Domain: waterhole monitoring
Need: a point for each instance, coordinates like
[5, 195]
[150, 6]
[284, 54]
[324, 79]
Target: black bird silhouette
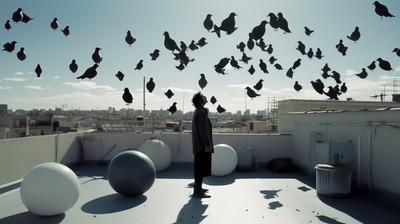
[169, 93]
[26, 18]
[183, 46]
[222, 63]
[7, 25]
[38, 70]
[310, 53]
[273, 21]
[120, 75]
[169, 43]
[283, 23]
[9, 47]
[397, 50]
[270, 49]
[208, 23]
[325, 75]
[289, 73]
[54, 24]
[180, 67]
[139, 65]
[385, 65]
[363, 74]
[278, 66]
[202, 42]
[261, 44]
[259, 31]
[336, 76]
[251, 93]
[127, 96]
[301, 47]
[326, 68]
[245, 59]
[251, 70]
[372, 66]
[308, 31]
[263, 66]
[235, 63]
[66, 31]
[73, 66]
[96, 57]
[297, 86]
[220, 109]
[382, 10]
[213, 100]
[318, 86]
[341, 48]
[296, 64]
[250, 42]
[343, 88]
[90, 73]
[129, 39]
[193, 46]
[332, 94]
[241, 46]
[355, 36]
[21, 55]
[202, 81]
[172, 108]
[272, 60]
[227, 25]
[17, 15]
[337, 90]
[318, 54]
[150, 85]
[155, 54]
[258, 85]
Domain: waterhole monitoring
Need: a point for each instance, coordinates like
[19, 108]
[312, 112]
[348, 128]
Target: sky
[104, 24]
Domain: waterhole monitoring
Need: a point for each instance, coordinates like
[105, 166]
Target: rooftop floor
[241, 197]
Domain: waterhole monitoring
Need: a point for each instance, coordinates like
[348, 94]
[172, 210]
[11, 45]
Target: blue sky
[104, 24]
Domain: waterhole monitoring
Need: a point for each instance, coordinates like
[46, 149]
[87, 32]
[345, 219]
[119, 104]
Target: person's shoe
[204, 190]
[198, 192]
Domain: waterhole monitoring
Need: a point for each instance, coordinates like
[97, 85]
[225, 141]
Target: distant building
[3, 109]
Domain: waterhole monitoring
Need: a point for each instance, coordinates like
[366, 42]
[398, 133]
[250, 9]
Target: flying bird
[273, 21]
[183, 46]
[263, 66]
[297, 86]
[169, 43]
[169, 93]
[308, 31]
[251, 70]
[343, 88]
[120, 75]
[7, 25]
[241, 46]
[227, 25]
[155, 54]
[202, 81]
[341, 48]
[139, 65]
[363, 74]
[245, 59]
[296, 64]
[54, 24]
[289, 73]
[73, 66]
[318, 86]
[272, 60]
[259, 31]
[234, 63]
[222, 63]
[355, 36]
[172, 108]
[9, 47]
[21, 55]
[251, 93]
[301, 47]
[202, 42]
[90, 73]
[127, 96]
[326, 68]
[385, 65]
[180, 67]
[208, 23]
[96, 56]
[66, 31]
[332, 93]
[310, 53]
[26, 18]
[150, 85]
[325, 75]
[17, 15]
[318, 54]
[258, 85]
[382, 10]
[278, 66]
[372, 66]
[38, 70]
[270, 49]
[250, 42]
[129, 39]
[283, 23]
[397, 50]
[193, 46]
[220, 109]
[336, 76]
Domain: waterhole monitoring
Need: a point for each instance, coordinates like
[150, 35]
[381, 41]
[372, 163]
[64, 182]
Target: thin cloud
[33, 87]
[15, 79]
[18, 73]
[89, 86]
[177, 89]
[5, 87]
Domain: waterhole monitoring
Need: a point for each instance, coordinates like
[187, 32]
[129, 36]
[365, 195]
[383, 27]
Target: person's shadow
[192, 211]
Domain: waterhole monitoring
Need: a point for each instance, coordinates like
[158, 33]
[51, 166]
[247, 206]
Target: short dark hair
[197, 99]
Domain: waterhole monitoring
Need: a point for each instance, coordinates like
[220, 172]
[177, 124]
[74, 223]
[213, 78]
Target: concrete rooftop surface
[260, 196]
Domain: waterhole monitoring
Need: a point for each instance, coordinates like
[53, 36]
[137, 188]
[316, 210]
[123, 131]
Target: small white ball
[159, 153]
[224, 160]
[50, 189]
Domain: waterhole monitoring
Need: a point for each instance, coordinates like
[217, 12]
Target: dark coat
[201, 130]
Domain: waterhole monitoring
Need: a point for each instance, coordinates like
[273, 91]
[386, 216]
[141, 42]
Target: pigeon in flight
[202, 81]
[326, 68]
[127, 96]
[220, 109]
[202, 42]
[66, 31]
[38, 70]
[227, 25]
[129, 39]
[258, 85]
[139, 65]
[241, 46]
[310, 53]
[54, 24]
[120, 75]
[270, 49]
[235, 63]
[372, 66]
[363, 74]
[90, 73]
[17, 15]
[272, 60]
[251, 93]
[172, 108]
[325, 75]
[183, 46]
[96, 56]
[21, 55]
[343, 88]
[397, 50]
[213, 100]
[155, 54]
[318, 86]
[259, 31]
[169, 43]
[301, 47]
[289, 73]
[297, 86]
[341, 48]
[250, 42]
[355, 36]
[263, 66]
[385, 65]
[382, 10]
[193, 46]
[180, 67]
[9, 47]
[308, 31]
[278, 66]
[318, 54]
[296, 64]
[273, 21]
[332, 94]
[169, 93]
[222, 63]
[283, 23]
[150, 85]
[245, 59]
[208, 23]
[73, 66]
[336, 76]
[26, 18]
[8, 25]
[251, 70]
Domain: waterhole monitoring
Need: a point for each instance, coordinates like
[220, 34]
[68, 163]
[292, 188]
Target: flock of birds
[228, 25]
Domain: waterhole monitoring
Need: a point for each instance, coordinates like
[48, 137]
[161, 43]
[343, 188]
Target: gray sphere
[131, 173]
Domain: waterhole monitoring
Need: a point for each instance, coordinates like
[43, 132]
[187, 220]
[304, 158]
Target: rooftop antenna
[144, 95]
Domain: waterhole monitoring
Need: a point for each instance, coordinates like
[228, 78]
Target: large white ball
[159, 153]
[50, 189]
[224, 160]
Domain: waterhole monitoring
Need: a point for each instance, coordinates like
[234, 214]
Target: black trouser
[202, 166]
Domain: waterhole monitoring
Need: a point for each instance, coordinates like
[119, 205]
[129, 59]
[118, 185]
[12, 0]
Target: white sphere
[50, 189]
[224, 160]
[159, 153]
